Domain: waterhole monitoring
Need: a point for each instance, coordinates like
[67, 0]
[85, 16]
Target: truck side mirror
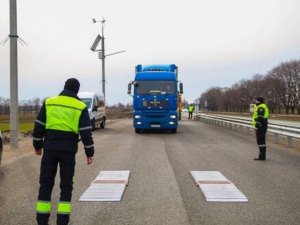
[129, 88]
[181, 88]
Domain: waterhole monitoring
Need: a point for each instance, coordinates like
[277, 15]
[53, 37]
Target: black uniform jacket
[57, 140]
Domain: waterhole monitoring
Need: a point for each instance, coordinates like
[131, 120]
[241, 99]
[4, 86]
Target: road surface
[161, 189]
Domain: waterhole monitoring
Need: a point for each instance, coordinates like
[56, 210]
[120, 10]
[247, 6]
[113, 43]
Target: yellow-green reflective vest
[191, 108]
[63, 113]
[255, 114]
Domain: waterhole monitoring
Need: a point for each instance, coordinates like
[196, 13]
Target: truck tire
[174, 131]
[137, 130]
[102, 125]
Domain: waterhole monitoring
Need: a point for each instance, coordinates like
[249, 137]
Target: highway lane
[161, 189]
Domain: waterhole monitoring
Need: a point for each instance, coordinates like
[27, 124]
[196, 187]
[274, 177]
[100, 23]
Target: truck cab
[155, 97]
[95, 103]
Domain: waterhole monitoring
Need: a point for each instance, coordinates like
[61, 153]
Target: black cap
[260, 99]
[72, 84]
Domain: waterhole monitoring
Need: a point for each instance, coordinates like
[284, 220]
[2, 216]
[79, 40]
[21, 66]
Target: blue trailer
[155, 97]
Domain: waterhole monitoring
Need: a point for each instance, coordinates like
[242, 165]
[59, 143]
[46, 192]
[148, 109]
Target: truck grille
[157, 103]
[155, 116]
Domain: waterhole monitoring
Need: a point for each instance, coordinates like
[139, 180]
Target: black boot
[42, 219]
[258, 158]
[63, 219]
[262, 154]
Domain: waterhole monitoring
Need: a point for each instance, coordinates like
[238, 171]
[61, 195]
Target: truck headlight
[173, 116]
[171, 123]
[137, 116]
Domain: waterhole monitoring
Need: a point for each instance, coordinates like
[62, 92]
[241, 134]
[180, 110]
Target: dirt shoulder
[11, 155]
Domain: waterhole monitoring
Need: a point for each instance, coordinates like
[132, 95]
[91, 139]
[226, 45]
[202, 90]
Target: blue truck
[156, 97]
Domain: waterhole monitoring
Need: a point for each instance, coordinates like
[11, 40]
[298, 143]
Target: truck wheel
[102, 125]
[174, 131]
[137, 130]
[93, 125]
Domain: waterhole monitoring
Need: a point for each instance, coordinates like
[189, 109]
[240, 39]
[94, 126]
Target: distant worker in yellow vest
[191, 109]
[260, 123]
[56, 135]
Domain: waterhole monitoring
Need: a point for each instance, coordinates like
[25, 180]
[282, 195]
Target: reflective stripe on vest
[255, 114]
[63, 113]
[64, 208]
[43, 207]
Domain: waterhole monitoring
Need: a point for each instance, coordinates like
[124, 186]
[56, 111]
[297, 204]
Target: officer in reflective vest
[260, 123]
[56, 135]
[191, 109]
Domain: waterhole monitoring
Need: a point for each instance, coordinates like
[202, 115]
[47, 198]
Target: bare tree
[36, 104]
[211, 96]
[5, 103]
[288, 75]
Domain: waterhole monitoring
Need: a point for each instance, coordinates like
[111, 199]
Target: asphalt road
[161, 189]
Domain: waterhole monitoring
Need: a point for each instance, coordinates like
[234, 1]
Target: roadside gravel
[11, 155]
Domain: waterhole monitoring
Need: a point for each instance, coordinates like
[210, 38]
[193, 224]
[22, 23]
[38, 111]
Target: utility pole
[103, 59]
[14, 118]
[102, 53]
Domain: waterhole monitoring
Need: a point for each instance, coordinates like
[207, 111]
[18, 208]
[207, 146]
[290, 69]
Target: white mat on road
[108, 186]
[217, 188]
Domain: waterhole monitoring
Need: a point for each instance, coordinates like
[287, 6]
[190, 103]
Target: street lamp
[102, 52]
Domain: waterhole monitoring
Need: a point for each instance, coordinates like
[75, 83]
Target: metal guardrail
[238, 124]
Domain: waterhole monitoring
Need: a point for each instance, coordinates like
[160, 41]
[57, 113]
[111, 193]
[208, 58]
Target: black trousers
[190, 115]
[261, 141]
[50, 161]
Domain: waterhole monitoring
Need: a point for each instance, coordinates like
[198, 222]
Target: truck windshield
[161, 87]
[87, 101]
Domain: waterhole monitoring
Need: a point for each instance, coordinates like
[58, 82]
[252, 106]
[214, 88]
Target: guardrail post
[248, 130]
[241, 129]
[230, 126]
[235, 127]
[275, 139]
[289, 142]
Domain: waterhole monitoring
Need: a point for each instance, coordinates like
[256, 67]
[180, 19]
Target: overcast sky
[214, 43]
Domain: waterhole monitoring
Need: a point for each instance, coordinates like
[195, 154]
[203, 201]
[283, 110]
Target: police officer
[191, 109]
[260, 123]
[56, 131]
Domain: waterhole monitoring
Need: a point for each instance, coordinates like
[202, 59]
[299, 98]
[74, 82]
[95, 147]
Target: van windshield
[87, 101]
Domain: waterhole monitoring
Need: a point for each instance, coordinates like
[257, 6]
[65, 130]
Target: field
[26, 121]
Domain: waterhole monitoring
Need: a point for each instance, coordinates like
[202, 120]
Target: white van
[96, 107]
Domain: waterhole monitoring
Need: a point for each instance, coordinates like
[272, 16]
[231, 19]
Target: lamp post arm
[115, 53]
